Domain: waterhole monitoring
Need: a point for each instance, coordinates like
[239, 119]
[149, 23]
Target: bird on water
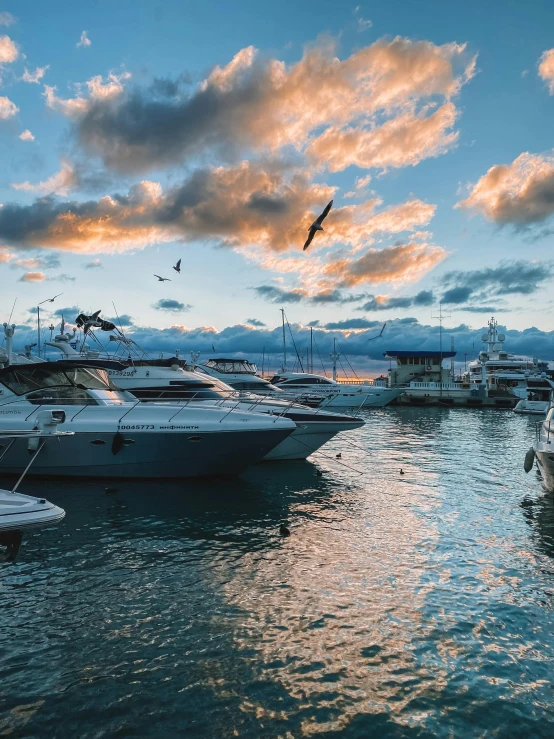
[283, 530]
[402, 471]
[339, 455]
[316, 225]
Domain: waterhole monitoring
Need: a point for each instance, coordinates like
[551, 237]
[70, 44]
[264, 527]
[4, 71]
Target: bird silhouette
[316, 225]
[162, 279]
[177, 267]
[283, 530]
[339, 455]
[402, 471]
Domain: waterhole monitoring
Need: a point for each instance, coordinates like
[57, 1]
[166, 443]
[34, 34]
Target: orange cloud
[32, 277]
[400, 263]
[402, 141]
[519, 193]
[380, 94]
[546, 69]
[59, 183]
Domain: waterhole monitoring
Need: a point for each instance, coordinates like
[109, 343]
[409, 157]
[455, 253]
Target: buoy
[339, 455]
[283, 530]
[402, 471]
[529, 460]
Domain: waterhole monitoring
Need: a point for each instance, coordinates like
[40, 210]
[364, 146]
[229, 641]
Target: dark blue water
[401, 606]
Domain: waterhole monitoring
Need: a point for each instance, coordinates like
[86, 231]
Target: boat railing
[438, 385]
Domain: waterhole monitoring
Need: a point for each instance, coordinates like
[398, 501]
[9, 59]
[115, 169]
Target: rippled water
[401, 606]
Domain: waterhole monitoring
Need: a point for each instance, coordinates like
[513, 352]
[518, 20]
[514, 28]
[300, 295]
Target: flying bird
[177, 267]
[379, 334]
[316, 225]
[162, 279]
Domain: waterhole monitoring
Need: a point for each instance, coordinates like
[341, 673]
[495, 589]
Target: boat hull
[534, 407]
[143, 455]
[544, 454]
[22, 512]
[310, 436]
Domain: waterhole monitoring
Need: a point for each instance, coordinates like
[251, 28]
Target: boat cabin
[418, 366]
[232, 366]
[59, 383]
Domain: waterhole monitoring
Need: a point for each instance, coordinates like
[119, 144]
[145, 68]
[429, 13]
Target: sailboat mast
[311, 364]
[284, 341]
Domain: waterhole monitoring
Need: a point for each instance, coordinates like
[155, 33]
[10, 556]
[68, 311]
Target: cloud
[97, 88]
[94, 264]
[8, 50]
[423, 298]
[264, 207]
[84, 40]
[353, 334]
[5, 256]
[121, 321]
[60, 183]
[399, 263]
[509, 278]
[26, 135]
[352, 323]
[519, 194]
[50, 261]
[36, 76]
[277, 295]
[259, 104]
[546, 69]
[255, 322]
[172, 306]
[6, 19]
[7, 108]
[32, 277]
[400, 142]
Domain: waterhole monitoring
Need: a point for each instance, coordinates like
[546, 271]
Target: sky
[134, 134]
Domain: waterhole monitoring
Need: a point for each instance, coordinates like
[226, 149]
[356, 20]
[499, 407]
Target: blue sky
[482, 70]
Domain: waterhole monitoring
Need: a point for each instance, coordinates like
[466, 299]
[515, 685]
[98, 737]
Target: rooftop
[418, 353]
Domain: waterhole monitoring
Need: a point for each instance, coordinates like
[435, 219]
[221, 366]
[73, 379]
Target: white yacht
[543, 451]
[538, 391]
[500, 365]
[171, 380]
[240, 374]
[119, 436]
[335, 394]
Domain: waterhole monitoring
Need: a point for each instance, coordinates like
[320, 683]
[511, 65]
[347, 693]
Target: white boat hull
[21, 512]
[352, 400]
[544, 454]
[535, 407]
[144, 455]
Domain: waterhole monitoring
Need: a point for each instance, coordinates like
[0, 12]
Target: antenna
[440, 319]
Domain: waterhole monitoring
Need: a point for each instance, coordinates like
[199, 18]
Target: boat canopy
[26, 378]
[232, 366]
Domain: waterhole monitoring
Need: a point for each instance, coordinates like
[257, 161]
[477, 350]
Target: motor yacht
[543, 451]
[117, 435]
[498, 362]
[335, 394]
[172, 380]
[537, 396]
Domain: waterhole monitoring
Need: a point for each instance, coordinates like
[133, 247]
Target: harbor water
[414, 605]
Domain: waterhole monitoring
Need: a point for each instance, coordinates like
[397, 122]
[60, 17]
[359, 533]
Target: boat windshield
[232, 366]
[22, 379]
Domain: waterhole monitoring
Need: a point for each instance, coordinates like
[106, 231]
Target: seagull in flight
[316, 225]
[177, 267]
[379, 334]
[162, 279]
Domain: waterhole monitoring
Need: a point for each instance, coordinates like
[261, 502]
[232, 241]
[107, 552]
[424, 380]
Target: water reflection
[400, 605]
